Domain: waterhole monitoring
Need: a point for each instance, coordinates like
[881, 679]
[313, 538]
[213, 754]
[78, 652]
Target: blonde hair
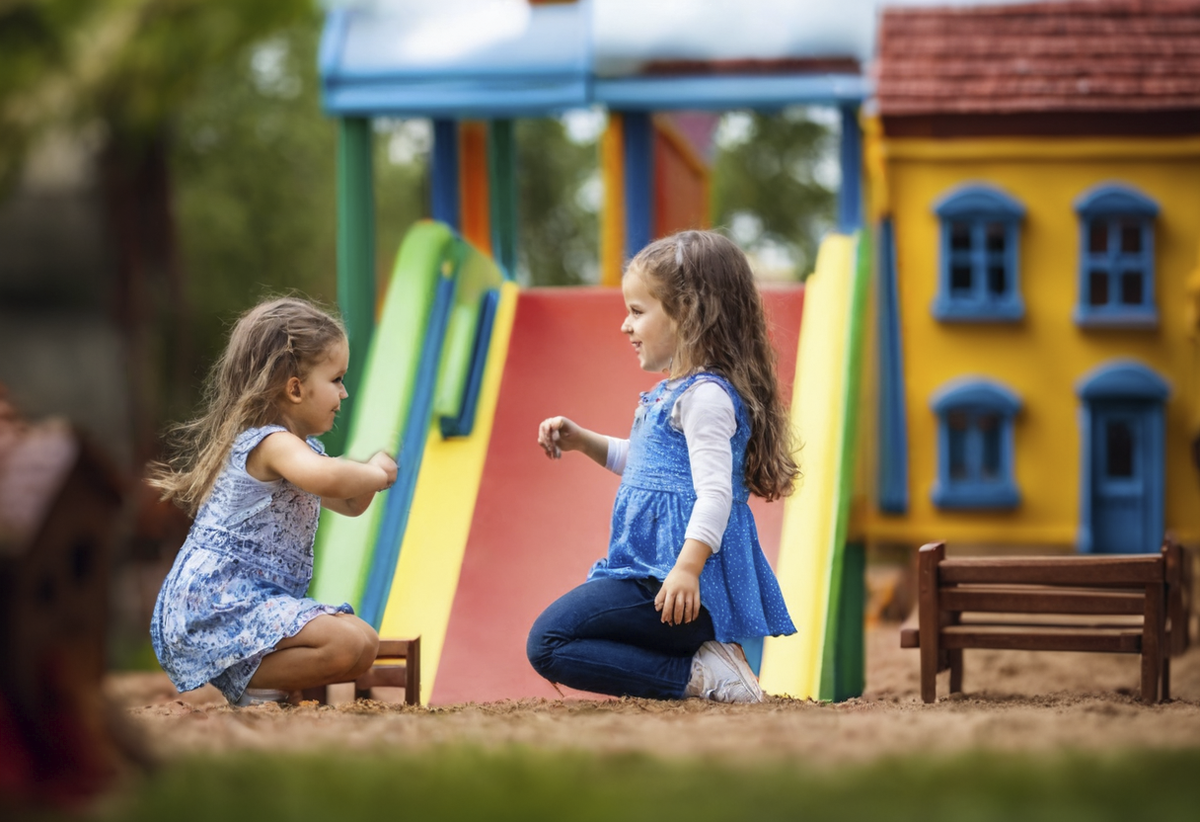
[271, 343]
[704, 283]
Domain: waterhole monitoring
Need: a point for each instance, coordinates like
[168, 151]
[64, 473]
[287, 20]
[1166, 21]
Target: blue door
[1120, 493]
[1123, 427]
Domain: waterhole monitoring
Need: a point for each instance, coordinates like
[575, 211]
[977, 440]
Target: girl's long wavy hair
[271, 343]
[704, 283]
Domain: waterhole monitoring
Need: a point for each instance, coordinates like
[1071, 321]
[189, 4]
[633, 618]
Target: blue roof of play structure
[504, 58]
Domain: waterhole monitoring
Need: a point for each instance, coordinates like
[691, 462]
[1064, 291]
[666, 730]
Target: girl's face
[650, 330]
[311, 404]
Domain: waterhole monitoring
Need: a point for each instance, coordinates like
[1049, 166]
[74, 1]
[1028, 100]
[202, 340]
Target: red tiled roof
[1104, 55]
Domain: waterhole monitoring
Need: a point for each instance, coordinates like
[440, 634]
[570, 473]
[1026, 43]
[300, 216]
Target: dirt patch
[1012, 701]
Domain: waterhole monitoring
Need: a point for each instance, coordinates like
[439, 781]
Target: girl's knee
[370, 639]
[540, 647]
[367, 653]
[351, 650]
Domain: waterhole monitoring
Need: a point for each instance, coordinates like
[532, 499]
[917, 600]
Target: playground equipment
[482, 533]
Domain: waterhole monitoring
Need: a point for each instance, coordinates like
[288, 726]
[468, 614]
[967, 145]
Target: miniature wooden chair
[397, 665]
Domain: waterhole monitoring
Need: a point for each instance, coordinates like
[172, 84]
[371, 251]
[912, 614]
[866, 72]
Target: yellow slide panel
[792, 665]
[426, 577]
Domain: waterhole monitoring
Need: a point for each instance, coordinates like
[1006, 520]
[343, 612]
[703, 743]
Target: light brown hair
[271, 343]
[704, 283]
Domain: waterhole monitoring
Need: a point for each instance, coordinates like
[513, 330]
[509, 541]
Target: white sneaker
[721, 673]
[259, 696]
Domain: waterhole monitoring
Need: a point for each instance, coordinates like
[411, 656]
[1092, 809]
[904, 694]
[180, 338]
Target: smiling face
[312, 403]
[650, 330]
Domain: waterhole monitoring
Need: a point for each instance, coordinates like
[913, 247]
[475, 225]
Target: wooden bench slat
[910, 635]
[383, 676]
[1050, 603]
[1035, 638]
[1040, 600]
[1092, 570]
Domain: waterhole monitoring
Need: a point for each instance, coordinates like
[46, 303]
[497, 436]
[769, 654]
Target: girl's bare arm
[353, 506]
[345, 486]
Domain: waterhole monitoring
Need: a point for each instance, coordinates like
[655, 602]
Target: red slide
[540, 524]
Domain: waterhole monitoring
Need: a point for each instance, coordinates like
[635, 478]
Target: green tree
[768, 184]
[255, 164]
[557, 228]
[35, 43]
[129, 67]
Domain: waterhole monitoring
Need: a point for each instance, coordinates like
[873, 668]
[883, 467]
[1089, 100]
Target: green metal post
[502, 185]
[356, 256]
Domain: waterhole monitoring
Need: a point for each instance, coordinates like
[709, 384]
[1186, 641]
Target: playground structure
[480, 532]
[1009, 221]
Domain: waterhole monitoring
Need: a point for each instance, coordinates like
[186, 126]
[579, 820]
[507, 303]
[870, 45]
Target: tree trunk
[150, 304]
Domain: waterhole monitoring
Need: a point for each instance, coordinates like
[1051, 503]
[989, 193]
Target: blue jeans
[606, 637]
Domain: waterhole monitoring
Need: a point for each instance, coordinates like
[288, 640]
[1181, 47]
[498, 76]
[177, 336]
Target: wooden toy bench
[1042, 604]
[397, 665]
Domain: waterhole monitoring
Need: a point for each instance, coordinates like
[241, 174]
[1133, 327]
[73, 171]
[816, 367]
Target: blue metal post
[444, 173]
[850, 157]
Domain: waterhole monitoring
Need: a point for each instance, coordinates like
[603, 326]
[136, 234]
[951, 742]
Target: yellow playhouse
[1034, 177]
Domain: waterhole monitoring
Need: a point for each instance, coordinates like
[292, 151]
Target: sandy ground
[1012, 701]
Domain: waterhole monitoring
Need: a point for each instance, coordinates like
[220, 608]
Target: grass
[455, 782]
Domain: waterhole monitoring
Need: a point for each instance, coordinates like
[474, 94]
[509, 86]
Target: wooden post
[927, 604]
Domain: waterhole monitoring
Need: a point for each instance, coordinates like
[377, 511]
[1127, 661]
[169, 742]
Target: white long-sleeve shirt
[705, 415]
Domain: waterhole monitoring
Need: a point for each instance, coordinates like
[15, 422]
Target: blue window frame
[979, 277]
[975, 445]
[1116, 258]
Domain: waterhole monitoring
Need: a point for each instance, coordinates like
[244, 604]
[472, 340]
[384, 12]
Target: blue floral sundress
[654, 503]
[238, 583]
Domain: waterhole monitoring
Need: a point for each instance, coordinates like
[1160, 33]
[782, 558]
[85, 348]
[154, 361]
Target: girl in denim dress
[685, 576]
[232, 610]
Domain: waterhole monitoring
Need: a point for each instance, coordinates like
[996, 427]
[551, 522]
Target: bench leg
[956, 670]
[319, 694]
[1153, 637]
[412, 673]
[929, 619]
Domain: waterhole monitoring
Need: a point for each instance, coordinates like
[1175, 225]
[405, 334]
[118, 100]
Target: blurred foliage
[128, 63]
[767, 188]
[524, 784]
[255, 166]
[35, 42]
[557, 231]
[171, 42]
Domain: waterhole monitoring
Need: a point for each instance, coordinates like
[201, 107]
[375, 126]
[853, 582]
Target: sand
[1012, 701]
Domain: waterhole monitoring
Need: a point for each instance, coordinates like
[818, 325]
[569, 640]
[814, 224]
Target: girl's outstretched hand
[384, 460]
[558, 434]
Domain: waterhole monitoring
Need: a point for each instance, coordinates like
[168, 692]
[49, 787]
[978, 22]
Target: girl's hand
[384, 461]
[558, 434]
[678, 599]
